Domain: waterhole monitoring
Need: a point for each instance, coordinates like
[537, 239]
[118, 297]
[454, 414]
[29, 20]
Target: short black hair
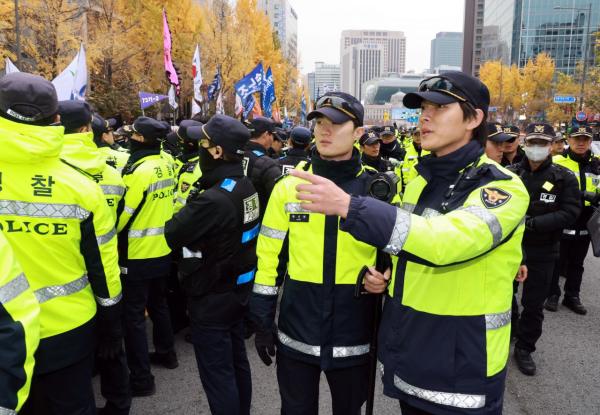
[480, 132]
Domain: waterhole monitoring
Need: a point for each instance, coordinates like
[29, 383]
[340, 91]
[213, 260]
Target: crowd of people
[293, 236]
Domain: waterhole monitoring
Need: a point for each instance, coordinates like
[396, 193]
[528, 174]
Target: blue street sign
[564, 99]
[580, 116]
[492, 109]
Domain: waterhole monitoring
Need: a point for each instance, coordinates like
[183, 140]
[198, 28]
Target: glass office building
[517, 30]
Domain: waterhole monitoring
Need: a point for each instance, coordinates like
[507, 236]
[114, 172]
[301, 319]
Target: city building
[473, 36]
[446, 50]
[310, 84]
[383, 90]
[515, 31]
[327, 78]
[368, 54]
[360, 63]
[284, 21]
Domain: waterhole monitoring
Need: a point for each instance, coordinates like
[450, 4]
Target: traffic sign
[564, 99]
[580, 116]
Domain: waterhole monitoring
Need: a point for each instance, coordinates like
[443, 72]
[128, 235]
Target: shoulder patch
[184, 186]
[492, 197]
[251, 208]
[228, 184]
[191, 166]
[258, 153]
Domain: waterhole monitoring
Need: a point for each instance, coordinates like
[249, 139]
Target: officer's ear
[217, 152]
[358, 132]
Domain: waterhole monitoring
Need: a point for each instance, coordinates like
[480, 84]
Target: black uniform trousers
[572, 254]
[540, 261]
[114, 384]
[223, 366]
[299, 387]
[139, 295]
[67, 391]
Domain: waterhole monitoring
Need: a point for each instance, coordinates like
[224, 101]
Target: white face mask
[537, 153]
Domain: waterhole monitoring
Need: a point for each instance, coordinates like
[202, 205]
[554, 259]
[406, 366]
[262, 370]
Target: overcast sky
[320, 23]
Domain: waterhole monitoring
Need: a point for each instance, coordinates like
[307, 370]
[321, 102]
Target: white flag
[239, 106]
[10, 67]
[172, 99]
[220, 107]
[72, 82]
[197, 75]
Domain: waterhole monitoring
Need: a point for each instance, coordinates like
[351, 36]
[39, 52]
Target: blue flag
[251, 83]
[249, 104]
[268, 94]
[303, 108]
[215, 86]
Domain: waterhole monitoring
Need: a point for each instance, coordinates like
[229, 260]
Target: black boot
[574, 303]
[525, 362]
[168, 360]
[551, 303]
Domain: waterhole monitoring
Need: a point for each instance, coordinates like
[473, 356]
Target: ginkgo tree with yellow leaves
[124, 45]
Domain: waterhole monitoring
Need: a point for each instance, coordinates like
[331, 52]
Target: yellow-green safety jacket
[20, 328]
[188, 175]
[115, 158]
[319, 320]
[57, 221]
[146, 207]
[81, 152]
[445, 333]
[587, 170]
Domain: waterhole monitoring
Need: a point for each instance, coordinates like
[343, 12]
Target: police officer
[20, 328]
[322, 328]
[370, 144]
[50, 210]
[258, 166]
[575, 240]
[390, 147]
[81, 152]
[299, 141]
[115, 155]
[145, 255]
[554, 205]
[512, 152]
[458, 242]
[496, 139]
[217, 230]
[407, 170]
[279, 141]
[558, 144]
[190, 171]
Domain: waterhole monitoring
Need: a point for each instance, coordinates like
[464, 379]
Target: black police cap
[369, 138]
[466, 86]
[27, 98]
[74, 114]
[101, 126]
[540, 130]
[260, 125]
[339, 107]
[150, 128]
[223, 131]
[387, 130]
[182, 131]
[512, 130]
[496, 132]
[301, 135]
[582, 132]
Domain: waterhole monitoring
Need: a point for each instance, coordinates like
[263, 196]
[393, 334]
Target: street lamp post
[588, 17]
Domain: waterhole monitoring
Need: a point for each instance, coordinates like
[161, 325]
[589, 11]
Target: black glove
[109, 347]
[591, 197]
[529, 223]
[264, 340]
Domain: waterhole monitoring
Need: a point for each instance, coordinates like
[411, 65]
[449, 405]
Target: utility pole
[585, 54]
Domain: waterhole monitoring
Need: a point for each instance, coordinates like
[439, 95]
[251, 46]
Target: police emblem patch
[493, 197]
[184, 187]
[251, 208]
